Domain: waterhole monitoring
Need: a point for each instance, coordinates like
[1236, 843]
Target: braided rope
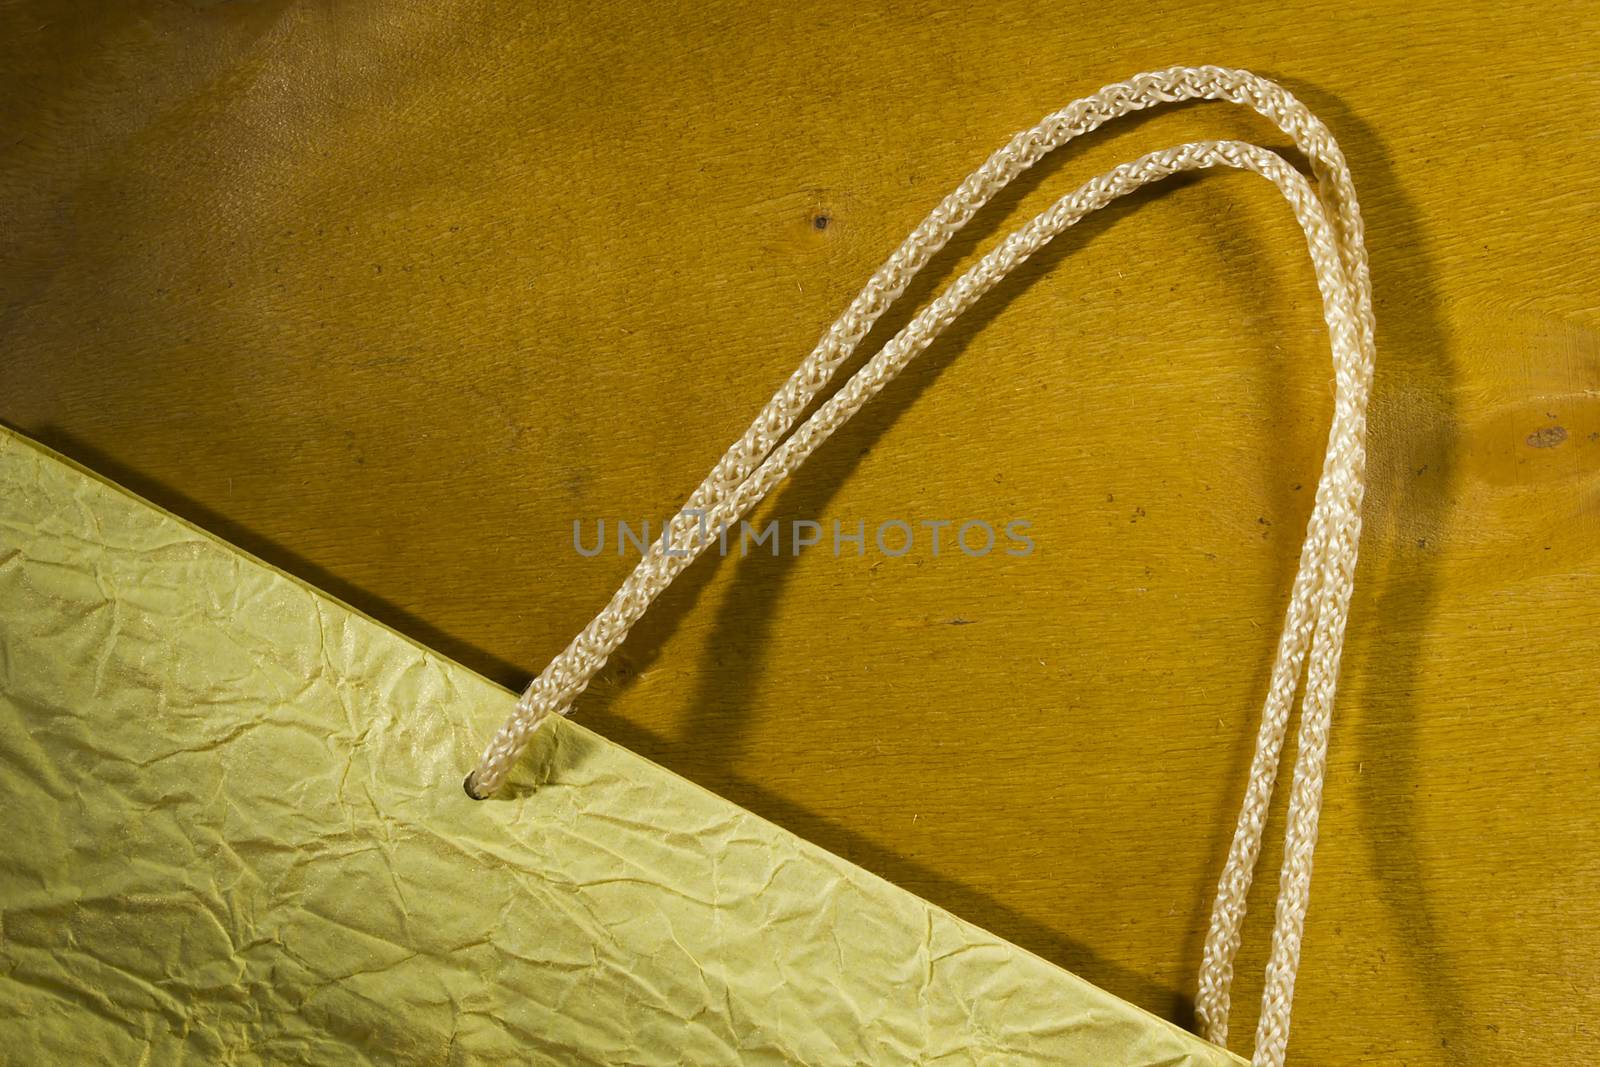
[1315, 620]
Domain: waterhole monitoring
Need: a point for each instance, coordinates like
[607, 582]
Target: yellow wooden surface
[391, 294]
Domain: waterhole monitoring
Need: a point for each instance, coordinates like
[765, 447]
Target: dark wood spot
[1548, 437]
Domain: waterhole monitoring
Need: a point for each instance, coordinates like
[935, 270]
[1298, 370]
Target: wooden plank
[391, 296]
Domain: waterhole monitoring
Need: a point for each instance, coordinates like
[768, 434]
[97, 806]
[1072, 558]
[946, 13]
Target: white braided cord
[1315, 620]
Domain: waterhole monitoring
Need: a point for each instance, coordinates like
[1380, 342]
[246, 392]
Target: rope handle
[1314, 623]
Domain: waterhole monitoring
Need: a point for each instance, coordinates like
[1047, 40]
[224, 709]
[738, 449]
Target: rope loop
[1314, 622]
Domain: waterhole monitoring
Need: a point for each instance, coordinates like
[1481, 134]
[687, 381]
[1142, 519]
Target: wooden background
[391, 294]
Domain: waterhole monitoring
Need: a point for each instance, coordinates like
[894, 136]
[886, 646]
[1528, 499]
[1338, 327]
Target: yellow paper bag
[235, 833]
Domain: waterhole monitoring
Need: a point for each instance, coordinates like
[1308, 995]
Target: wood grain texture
[392, 294]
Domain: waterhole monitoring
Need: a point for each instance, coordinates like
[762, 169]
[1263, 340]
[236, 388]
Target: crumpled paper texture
[235, 833]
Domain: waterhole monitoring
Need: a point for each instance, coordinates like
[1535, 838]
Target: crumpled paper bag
[234, 833]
